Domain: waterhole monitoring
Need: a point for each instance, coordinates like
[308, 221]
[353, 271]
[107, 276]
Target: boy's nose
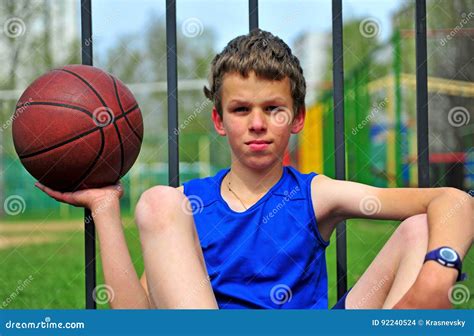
[258, 121]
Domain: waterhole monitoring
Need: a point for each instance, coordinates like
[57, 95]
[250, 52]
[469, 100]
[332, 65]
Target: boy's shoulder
[212, 179]
[206, 187]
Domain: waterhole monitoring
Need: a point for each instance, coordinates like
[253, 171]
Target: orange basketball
[77, 127]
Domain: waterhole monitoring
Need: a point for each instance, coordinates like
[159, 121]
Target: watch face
[448, 254]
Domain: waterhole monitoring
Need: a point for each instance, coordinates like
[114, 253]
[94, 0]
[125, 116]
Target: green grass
[57, 269]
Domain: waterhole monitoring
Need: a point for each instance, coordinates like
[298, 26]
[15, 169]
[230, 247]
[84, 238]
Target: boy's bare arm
[119, 271]
[125, 289]
[449, 210]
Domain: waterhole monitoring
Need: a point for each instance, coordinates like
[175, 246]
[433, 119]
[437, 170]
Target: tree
[141, 58]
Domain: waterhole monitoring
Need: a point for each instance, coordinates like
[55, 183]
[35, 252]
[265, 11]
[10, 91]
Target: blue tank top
[269, 256]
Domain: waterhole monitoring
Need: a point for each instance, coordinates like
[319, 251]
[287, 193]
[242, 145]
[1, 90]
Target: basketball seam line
[119, 136]
[25, 156]
[104, 104]
[87, 83]
[88, 171]
[72, 107]
[122, 110]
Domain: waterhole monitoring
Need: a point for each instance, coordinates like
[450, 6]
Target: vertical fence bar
[399, 127]
[172, 82]
[253, 14]
[89, 226]
[340, 150]
[422, 95]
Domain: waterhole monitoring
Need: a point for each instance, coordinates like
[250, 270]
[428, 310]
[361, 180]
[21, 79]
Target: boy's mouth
[258, 145]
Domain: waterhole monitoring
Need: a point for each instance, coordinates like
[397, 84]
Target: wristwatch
[448, 257]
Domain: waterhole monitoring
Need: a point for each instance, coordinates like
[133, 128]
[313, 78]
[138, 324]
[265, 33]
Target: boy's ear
[298, 123]
[217, 121]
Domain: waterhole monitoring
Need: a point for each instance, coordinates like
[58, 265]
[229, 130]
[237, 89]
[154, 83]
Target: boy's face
[258, 118]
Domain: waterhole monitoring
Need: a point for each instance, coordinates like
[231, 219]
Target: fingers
[119, 188]
[58, 196]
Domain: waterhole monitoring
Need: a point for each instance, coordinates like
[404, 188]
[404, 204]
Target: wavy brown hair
[265, 54]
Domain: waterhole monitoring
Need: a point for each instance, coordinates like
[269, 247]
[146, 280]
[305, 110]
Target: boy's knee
[158, 207]
[414, 230]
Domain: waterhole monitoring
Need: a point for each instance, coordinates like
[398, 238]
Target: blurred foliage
[141, 58]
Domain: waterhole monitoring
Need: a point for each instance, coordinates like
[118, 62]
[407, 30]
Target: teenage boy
[255, 234]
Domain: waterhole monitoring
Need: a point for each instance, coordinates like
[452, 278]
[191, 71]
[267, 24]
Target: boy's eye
[275, 108]
[271, 108]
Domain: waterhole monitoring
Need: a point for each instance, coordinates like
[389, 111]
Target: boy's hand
[88, 198]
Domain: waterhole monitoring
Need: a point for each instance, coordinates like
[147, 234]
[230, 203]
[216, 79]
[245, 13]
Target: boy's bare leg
[175, 268]
[394, 269]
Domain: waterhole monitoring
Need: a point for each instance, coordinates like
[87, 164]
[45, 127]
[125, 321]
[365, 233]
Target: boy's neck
[247, 182]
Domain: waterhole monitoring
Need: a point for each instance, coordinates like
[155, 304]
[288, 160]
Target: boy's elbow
[460, 198]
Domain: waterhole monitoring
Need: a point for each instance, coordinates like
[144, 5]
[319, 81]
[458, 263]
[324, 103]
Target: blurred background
[129, 41]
